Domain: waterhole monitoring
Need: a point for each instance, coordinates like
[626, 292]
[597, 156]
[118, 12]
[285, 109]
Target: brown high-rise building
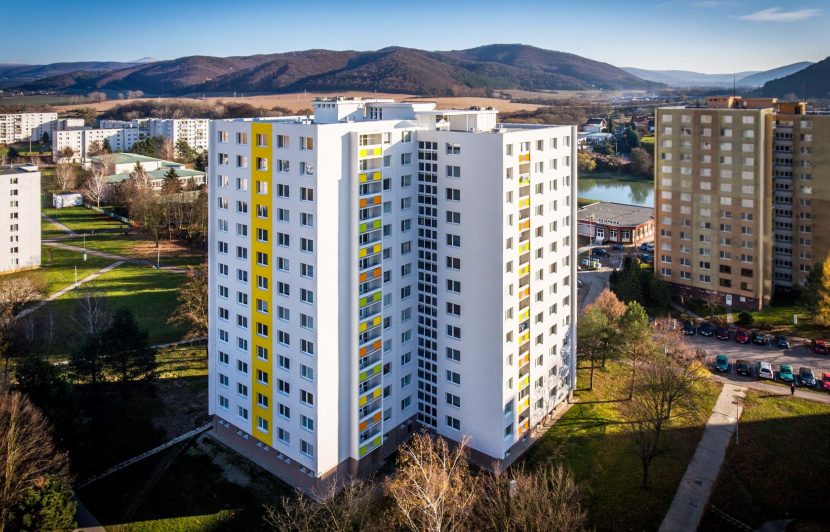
[742, 190]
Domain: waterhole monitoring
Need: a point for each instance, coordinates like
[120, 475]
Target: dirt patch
[185, 405]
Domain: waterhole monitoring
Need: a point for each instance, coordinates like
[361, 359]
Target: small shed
[68, 199]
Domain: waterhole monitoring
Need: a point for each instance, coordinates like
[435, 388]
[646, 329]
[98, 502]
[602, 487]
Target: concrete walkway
[61, 292]
[694, 491]
[141, 262]
[85, 520]
[59, 225]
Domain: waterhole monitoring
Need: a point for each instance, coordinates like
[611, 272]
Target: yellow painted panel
[362, 327]
[363, 153]
[362, 252]
[362, 401]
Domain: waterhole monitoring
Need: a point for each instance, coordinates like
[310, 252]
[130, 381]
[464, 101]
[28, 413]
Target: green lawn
[149, 293]
[82, 220]
[611, 175]
[182, 361]
[779, 316]
[137, 246]
[590, 442]
[779, 467]
[57, 269]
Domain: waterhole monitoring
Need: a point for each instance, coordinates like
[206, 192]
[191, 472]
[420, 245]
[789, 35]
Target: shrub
[745, 319]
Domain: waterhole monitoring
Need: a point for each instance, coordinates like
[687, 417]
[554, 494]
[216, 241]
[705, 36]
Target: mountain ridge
[392, 69]
[812, 82]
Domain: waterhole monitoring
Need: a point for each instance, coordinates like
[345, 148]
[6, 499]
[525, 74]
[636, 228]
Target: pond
[617, 190]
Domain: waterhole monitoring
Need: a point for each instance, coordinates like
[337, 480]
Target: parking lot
[797, 356]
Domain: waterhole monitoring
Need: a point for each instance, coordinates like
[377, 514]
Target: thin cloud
[712, 3]
[775, 14]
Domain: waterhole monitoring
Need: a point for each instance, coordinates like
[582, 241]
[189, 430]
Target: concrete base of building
[312, 483]
[738, 301]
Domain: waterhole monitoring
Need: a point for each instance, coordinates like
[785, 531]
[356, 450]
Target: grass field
[79, 219]
[589, 440]
[150, 294]
[138, 246]
[617, 177]
[778, 469]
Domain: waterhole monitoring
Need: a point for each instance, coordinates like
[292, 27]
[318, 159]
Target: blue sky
[710, 36]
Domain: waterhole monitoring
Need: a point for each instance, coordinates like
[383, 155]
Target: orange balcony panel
[362, 277]
[363, 202]
[376, 272]
[363, 351]
[363, 425]
[377, 344]
[376, 417]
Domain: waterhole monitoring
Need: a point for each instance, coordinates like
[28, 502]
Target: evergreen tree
[48, 506]
[128, 355]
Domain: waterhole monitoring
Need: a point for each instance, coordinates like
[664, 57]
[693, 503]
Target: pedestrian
[792, 388]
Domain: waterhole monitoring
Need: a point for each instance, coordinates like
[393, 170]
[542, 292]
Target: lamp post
[84, 247]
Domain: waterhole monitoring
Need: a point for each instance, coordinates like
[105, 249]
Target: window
[282, 166]
[453, 217]
[306, 270]
[453, 286]
[453, 263]
[282, 141]
[261, 164]
[453, 240]
[453, 377]
[453, 423]
[453, 400]
[241, 161]
[306, 143]
[306, 220]
[453, 171]
[243, 412]
[306, 398]
[306, 194]
[453, 309]
[306, 296]
[242, 207]
[307, 245]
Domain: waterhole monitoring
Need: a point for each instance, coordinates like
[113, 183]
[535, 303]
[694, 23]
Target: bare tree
[49, 332]
[96, 188]
[66, 175]
[93, 314]
[665, 384]
[711, 302]
[327, 509]
[27, 452]
[193, 304]
[167, 149]
[547, 500]
[433, 489]
[14, 295]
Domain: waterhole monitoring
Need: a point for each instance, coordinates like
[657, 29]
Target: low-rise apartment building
[20, 230]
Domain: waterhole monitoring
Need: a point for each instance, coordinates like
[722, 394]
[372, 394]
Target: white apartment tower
[21, 229]
[384, 267]
[16, 127]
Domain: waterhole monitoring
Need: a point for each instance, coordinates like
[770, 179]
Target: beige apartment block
[736, 185]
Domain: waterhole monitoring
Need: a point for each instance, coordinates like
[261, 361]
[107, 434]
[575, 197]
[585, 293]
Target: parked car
[825, 381]
[617, 247]
[765, 370]
[688, 328]
[645, 257]
[807, 377]
[650, 246]
[722, 363]
[599, 252]
[579, 283]
[785, 372]
[743, 367]
[706, 329]
[643, 246]
[819, 346]
[742, 336]
[758, 338]
[782, 342]
[722, 333]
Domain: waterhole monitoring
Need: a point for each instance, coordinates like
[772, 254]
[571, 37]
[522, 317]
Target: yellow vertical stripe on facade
[262, 196]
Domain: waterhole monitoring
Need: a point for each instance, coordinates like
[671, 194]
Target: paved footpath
[112, 256]
[59, 225]
[694, 491]
[61, 292]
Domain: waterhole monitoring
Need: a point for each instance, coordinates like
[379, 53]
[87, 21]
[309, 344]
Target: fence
[111, 214]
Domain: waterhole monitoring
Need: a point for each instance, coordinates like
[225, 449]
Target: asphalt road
[797, 356]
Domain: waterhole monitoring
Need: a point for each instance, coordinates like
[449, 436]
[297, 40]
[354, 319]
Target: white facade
[418, 267]
[70, 123]
[81, 139]
[21, 235]
[194, 131]
[24, 126]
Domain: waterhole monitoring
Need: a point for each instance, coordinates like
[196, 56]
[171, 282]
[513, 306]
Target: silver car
[765, 370]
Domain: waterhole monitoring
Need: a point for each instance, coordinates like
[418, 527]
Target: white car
[765, 370]
[650, 246]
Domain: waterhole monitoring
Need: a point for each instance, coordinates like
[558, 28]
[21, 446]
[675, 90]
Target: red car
[742, 336]
[819, 346]
[825, 382]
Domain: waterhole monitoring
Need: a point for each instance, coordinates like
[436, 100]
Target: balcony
[370, 225]
[370, 347]
[370, 420]
[370, 395]
[371, 371]
[367, 176]
[524, 338]
[370, 324]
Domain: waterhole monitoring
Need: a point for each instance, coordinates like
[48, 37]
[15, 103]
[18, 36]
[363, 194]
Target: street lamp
[84, 247]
